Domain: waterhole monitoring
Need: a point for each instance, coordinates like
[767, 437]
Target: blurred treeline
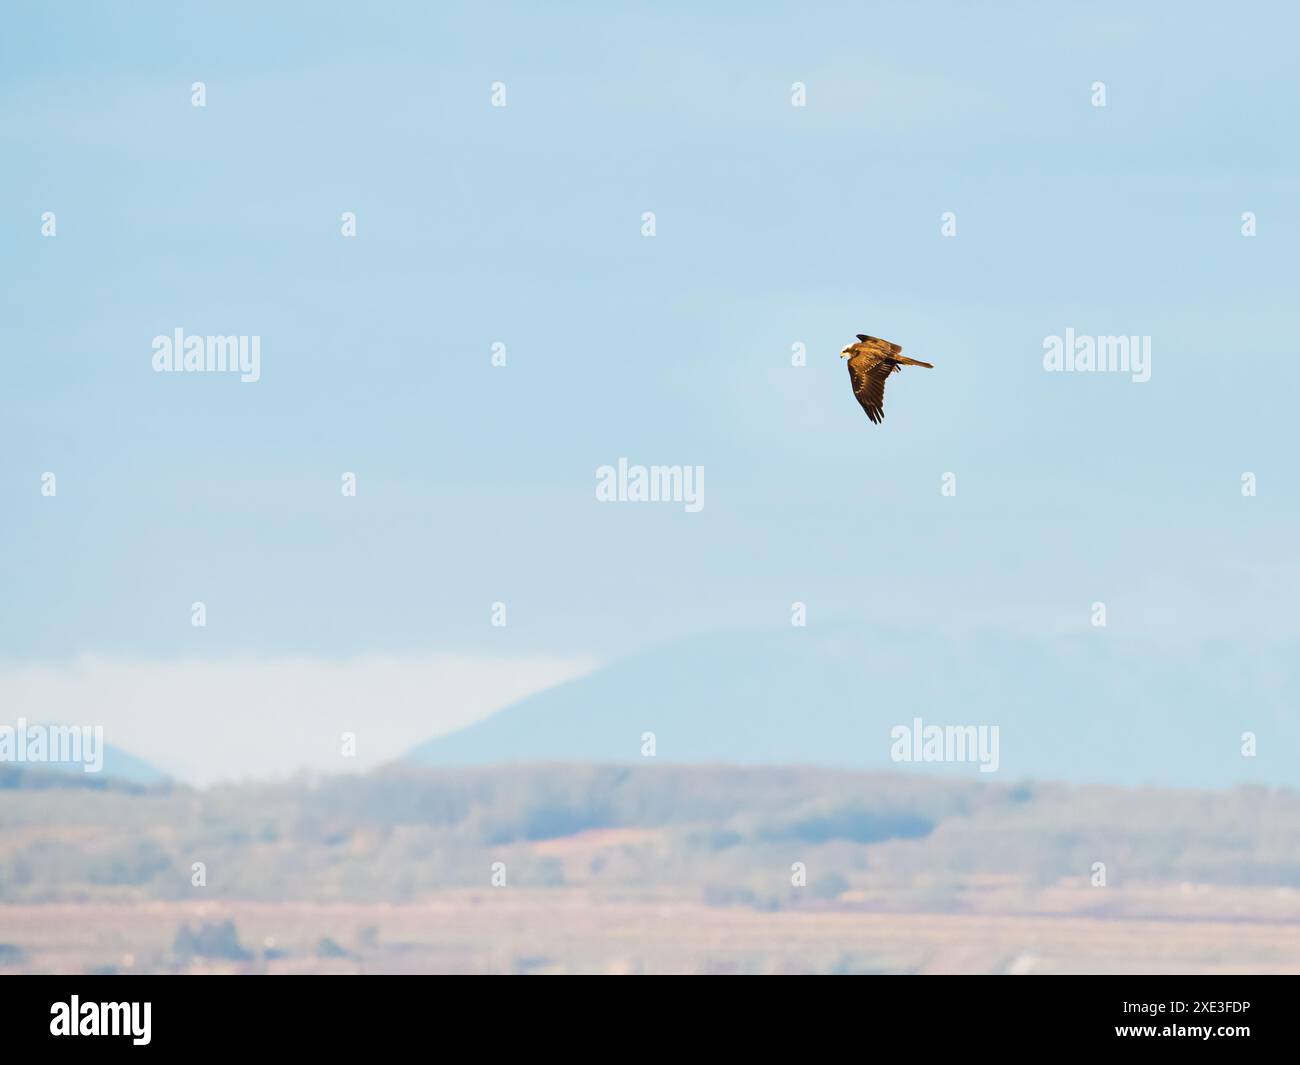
[721, 833]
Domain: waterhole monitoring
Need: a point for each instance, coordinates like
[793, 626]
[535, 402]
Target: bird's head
[846, 352]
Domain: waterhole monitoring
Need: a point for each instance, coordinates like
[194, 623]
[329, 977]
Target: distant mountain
[1088, 708]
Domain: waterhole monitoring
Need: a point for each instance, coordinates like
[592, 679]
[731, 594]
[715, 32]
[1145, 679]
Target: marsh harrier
[871, 361]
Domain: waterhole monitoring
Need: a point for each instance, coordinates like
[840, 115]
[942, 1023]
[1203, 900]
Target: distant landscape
[1086, 708]
[654, 868]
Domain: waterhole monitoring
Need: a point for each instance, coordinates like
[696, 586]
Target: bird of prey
[871, 361]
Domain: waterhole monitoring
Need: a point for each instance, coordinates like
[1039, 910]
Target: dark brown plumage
[871, 361]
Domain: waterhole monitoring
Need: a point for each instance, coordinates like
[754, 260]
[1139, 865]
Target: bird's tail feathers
[912, 362]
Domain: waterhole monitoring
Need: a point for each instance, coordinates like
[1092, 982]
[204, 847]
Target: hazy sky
[522, 225]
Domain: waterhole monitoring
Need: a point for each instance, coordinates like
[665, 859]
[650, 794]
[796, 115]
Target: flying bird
[871, 361]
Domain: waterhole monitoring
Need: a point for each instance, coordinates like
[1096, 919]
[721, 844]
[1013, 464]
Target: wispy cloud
[204, 720]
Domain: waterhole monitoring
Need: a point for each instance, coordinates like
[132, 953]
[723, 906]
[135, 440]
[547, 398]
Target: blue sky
[521, 224]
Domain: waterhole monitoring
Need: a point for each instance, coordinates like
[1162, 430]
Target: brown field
[521, 930]
[646, 870]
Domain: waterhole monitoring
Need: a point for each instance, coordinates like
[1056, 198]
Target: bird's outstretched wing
[868, 373]
[882, 345]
